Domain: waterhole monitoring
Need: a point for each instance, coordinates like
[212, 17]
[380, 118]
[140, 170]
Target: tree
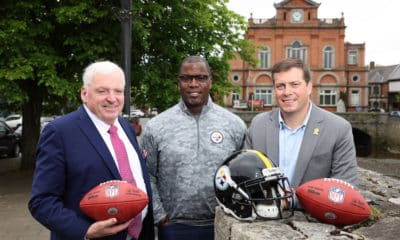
[46, 43]
[166, 31]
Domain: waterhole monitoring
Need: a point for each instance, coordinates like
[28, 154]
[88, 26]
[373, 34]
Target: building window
[264, 58]
[376, 90]
[355, 78]
[355, 97]
[327, 97]
[296, 50]
[352, 57]
[236, 77]
[328, 57]
[235, 97]
[264, 94]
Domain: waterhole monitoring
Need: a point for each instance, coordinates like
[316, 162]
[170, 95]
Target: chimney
[371, 65]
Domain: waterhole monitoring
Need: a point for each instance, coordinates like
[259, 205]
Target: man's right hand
[105, 228]
[164, 222]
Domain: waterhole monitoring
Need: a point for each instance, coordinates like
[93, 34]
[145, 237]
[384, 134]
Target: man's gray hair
[103, 67]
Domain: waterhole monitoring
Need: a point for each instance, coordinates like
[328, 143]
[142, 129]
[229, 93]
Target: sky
[374, 23]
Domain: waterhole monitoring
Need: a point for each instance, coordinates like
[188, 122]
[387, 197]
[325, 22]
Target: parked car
[137, 113]
[13, 120]
[379, 110]
[153, 112]
[10, 142]
[395, 113]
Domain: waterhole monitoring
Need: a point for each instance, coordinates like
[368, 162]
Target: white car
[137, 113]
[13, 120]
[395, 113]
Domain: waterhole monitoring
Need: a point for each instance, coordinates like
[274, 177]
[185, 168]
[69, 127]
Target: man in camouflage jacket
[185, 144]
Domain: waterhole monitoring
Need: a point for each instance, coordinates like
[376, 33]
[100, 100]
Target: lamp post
[125, 17]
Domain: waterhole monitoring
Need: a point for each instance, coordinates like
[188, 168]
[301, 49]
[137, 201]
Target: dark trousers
[177, 231]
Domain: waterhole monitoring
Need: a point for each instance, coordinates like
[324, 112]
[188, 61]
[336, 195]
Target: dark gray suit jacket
[327, 149]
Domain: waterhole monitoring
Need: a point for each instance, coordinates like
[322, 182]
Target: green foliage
[50, 42]
[166, 31]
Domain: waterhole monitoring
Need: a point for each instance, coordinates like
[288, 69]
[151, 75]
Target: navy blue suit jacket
[72, 158]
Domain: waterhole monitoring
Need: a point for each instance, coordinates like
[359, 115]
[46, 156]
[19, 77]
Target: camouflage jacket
[184, 151]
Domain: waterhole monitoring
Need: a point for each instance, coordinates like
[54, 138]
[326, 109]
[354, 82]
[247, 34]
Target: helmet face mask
[247, 186]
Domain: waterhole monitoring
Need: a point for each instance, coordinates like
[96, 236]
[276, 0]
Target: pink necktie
[125, 171]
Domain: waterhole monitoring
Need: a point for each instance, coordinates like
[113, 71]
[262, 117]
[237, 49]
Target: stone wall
[383, 129]
[381, 192]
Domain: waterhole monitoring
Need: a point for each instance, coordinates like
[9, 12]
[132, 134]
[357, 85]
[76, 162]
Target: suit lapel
[89, 129]
[272, 138]
[310, 139]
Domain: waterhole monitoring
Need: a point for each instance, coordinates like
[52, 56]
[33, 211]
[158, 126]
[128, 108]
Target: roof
[380, 74]
[395, 74]
[285, 2]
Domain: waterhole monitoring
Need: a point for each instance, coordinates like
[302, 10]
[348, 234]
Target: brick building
[337, 67]
[378, 86]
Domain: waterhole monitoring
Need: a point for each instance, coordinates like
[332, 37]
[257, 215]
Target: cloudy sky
[374, 22]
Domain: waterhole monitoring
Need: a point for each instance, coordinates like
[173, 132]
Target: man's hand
[286, 203]
[105, 228]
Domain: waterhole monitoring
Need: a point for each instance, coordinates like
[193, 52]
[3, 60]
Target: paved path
[15, 188]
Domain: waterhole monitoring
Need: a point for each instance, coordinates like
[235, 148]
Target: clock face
[297, 15]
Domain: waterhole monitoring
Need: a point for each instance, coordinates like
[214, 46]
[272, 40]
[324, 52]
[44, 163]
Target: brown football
[333, 201]
[115, 198]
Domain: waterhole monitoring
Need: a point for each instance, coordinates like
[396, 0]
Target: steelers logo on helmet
[248, 186]
[221, 178]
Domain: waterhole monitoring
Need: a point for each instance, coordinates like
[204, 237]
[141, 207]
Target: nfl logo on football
[336, 194]
[111, 191]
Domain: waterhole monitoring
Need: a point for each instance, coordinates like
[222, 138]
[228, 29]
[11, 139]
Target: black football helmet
[247, 186]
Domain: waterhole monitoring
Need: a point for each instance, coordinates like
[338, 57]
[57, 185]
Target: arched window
[264, 57]
[329, 57]
[297, 50]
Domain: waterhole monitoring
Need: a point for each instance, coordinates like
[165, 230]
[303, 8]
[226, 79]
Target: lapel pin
[316, 131]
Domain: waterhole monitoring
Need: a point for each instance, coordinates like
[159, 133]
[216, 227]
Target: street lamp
[125, 17]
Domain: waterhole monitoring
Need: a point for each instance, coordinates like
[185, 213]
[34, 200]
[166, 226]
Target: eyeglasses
[189, 78]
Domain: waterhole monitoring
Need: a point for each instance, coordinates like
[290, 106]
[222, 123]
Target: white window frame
[234, 96]
[297, 50]
[328, 96]
[355, 97]
[264, 57]
[266, 94]
[352, 57]
[329, 57]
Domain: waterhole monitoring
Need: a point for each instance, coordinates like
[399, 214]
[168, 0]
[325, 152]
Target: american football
[115, 198]
[333, 201]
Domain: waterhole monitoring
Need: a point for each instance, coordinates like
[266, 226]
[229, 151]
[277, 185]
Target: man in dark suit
[75, 153]
[305, 141]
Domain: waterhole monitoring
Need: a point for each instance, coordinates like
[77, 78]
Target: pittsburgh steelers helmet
[247, 186]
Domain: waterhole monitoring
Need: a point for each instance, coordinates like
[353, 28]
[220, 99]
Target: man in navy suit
[75, 154]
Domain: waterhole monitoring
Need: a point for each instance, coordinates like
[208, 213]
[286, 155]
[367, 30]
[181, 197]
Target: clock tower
[297, 12]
